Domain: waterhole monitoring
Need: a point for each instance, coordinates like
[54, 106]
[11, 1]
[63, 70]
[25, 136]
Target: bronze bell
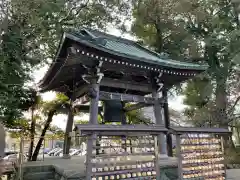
[113, 111]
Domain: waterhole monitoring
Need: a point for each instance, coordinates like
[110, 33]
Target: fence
[200, 153]
[125, 152]
[130, 158]
[133, 153]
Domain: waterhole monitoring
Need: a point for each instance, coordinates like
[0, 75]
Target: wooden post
[223, 151]
[93, 119]
[167, 122]
[156, 147]
[159, 121]
[94, 94]
[179, 156]
[67, 138]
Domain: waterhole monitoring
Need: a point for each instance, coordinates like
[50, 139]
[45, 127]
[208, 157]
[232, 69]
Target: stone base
[168, 161]
[66, 156]
[163, 156]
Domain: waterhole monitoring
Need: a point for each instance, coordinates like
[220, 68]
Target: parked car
[58, 152]
[70, 152]
[74, 152]
[14, 158]
[78, 152]
[51, 153]
[82, 153]
[10, 152]
[46, 150]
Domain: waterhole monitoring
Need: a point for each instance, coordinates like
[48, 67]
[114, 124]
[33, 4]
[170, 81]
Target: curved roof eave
[191, 66]
[43, 84]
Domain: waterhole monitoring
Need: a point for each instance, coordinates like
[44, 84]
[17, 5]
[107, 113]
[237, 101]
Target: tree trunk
[67, 138]
[238, 135]
[159, 40]
[39, 144]
[32, 135]
[221, 110]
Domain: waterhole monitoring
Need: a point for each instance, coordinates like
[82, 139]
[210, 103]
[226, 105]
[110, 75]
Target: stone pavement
[233, 174]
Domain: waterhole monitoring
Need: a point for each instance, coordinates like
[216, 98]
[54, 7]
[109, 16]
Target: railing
[133, 153]
[200, 153]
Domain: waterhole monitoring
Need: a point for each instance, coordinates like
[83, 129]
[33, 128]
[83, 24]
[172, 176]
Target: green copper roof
[130, 49]
[138, 52]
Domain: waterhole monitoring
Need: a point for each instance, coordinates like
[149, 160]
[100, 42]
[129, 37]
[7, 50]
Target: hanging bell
[113, 111]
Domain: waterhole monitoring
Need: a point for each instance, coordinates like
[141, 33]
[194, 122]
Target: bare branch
[234, 105]
[236, 116]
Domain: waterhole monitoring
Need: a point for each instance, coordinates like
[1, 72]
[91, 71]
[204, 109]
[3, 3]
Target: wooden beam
[82, 100]
[122, 129]
[136, 106]
[85, 108]
[128, 98]
[126, 85]
[80, 91]
[104, 96]
[193, 130]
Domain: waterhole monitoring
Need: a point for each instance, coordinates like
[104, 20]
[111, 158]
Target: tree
[203, 31]
[31, 104]
[30, 32]
[50, 109]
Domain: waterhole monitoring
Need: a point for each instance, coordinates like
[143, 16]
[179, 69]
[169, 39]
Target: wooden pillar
[124, 138]
[94, 94]
[67, 137]
[179, 156]
[158, 113]
[93, 119]
[167, 122]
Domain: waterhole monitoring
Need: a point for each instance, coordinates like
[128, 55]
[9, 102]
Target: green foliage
[31, 100]
[29, 35]
[137, 117]
[81, 122]
[202, 31]
[21, 126]
[57, 132]
[154, 23]
[198, 92]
